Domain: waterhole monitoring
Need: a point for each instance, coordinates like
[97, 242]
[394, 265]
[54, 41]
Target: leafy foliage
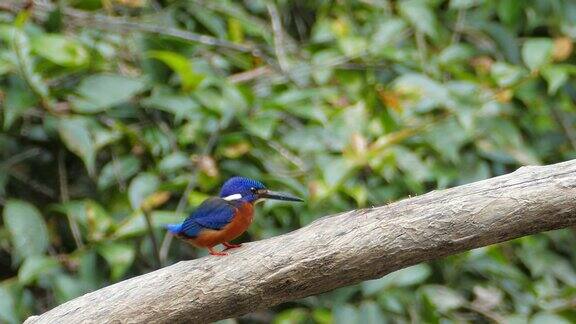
[114, 124]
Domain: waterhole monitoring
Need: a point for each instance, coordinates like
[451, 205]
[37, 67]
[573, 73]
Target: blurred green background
[116, 122]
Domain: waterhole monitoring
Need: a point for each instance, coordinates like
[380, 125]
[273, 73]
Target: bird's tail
[174, 228]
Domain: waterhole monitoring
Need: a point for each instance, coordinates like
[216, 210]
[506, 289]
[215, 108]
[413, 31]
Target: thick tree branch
[337, 251]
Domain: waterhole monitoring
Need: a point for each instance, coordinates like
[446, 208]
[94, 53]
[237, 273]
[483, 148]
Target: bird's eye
[253, 190]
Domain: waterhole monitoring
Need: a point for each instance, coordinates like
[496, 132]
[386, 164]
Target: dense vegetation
[117, 124]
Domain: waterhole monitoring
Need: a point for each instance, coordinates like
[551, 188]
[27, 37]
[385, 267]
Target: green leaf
[564, 271]
[455, 54]
[334, 169]
[7, 62]
[424, 92]
[345, 314]
[506, 74]
[506, 40]
[443, 298]
[88, 270]
[235, 30]
[322, 316]
[27, 65]
[67, 287]
[8, 311]
[90, 215]
[410, 276]
[412, 164]
[290, 316]
[182, 66]
[351, 46]
[556, 76]
[447, 137]
[212, 21]
[35, 266]
[173, 162]
[19, 99]
[548, 318]
[141, 187]
[536, 52]
[262, 125]
[60, 50]
[76, 135]
[136, 225]
[27, 229]
[517, 318]
[464, 4]
[99, 92]
[118, 171]
[119, 256]
[510, 11]
[370, 313]
[98, 221]
[182, 106]
[387, 32]
[419, 14]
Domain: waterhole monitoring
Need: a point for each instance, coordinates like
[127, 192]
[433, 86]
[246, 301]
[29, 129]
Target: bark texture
[336, 251]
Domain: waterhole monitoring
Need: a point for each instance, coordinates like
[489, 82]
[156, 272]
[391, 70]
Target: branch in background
[337, 251]
[81, 18]
[17, 158]
[65, 197]
[566, 125]
[33, 184]
[278, 37]
[250, 75]
[459, 26]
[155, 248]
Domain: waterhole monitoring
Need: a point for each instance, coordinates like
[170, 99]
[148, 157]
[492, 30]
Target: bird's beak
[269, 194]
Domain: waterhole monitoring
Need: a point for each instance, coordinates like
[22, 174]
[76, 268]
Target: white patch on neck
[233, 197]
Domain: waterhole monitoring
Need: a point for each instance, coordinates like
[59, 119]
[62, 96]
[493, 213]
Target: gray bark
[337, 251]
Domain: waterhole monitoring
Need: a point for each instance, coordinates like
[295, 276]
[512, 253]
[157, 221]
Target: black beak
[268, 194]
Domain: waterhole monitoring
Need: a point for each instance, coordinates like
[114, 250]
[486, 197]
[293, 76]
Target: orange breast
[239, 224]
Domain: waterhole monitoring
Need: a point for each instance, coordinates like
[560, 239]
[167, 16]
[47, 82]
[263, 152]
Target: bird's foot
[231, 246]
[216, 253]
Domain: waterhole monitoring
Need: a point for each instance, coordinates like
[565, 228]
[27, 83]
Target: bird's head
[249, 190]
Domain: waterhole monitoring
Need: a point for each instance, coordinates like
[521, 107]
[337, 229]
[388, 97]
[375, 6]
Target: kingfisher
[219, 220]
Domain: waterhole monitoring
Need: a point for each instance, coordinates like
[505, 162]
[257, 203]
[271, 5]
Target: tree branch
[82, 18]
[336, 251]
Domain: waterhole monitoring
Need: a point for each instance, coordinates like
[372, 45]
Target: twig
[35, 185]
[422, 50]
[250, 75]
[565, 125]
[116, 169]
[297, 161]
[155, 248]
[459, 26]
[81, 18]
[17, 158]
[221, 7]
[278, 37]
[494, 317]
[65, 197]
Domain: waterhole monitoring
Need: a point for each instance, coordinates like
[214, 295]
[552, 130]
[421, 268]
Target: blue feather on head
[243, 186]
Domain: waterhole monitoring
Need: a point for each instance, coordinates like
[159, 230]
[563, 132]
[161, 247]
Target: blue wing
[213, 213]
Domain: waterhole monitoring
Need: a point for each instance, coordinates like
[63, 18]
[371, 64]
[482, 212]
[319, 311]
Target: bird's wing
[213, 213]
